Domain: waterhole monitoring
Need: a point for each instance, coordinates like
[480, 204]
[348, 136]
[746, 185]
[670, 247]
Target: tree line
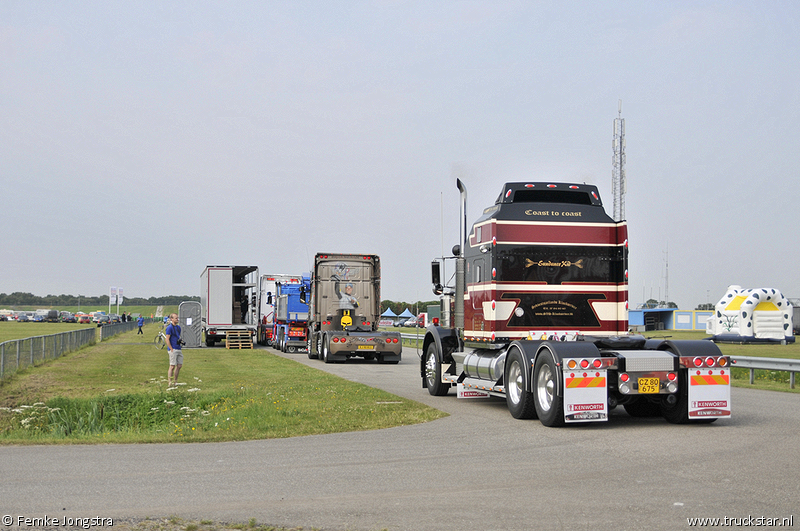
[19, 298]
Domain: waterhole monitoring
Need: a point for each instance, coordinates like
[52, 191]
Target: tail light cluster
[710, 361]
[391, 340]
[590, 363]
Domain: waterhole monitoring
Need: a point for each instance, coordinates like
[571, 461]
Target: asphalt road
[478, 469]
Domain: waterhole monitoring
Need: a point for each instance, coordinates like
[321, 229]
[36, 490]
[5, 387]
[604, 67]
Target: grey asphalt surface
[478, 469]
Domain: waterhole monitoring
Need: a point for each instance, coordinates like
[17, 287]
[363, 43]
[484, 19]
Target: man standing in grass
[140, 323]
[173, 333]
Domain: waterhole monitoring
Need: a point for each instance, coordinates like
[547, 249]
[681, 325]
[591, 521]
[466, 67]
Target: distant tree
[705, 306]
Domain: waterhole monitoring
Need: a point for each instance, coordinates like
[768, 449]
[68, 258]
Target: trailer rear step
[238, 339]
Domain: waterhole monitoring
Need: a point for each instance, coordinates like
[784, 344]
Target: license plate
[648, 385]
[366, 347]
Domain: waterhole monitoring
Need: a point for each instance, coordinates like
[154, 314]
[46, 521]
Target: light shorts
[175, 357]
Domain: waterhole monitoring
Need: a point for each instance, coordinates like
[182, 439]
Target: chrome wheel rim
[545, 387]
[514, 388]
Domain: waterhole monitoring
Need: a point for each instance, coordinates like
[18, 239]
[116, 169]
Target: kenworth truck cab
[540, 311]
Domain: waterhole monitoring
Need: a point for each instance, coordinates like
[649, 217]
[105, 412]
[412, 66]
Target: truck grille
[648, 361]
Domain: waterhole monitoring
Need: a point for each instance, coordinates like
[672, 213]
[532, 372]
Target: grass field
[116, 392]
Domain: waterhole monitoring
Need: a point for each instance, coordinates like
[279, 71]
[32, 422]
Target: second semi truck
[344, 301]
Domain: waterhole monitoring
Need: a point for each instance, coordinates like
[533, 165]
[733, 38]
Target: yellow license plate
[648, 385]
[366, 347]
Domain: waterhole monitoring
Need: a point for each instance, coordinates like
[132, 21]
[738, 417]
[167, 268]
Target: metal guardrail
[769, 364]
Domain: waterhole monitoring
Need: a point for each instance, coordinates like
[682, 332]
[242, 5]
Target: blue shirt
[174, 333]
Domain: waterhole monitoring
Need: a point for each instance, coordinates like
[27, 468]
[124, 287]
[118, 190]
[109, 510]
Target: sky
[141, 141]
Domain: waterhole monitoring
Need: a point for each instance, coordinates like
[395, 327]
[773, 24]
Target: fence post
[791, 380]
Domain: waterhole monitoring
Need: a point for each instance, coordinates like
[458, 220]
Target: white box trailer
[228, 300]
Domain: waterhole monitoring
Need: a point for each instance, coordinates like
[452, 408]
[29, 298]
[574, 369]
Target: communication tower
[618, 184]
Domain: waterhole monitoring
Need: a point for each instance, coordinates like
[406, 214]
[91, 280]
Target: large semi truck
[540, 319]
[344, 302]
[268, 287]
[228, 301]
[291, 314]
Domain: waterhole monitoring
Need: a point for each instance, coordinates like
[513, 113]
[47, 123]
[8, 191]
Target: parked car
[68, 317]
[114, 318]
[84, 319]
[102, 320]
[22, 318]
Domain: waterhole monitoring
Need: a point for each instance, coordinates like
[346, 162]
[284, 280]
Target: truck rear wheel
[642, 408]
[313, 354]
[433, 373]
[678, 413]
[519, 398]
[549, 405]
[326, 350]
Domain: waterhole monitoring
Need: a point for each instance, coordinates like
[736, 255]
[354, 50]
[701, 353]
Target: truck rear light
[571, 364]
[710, 361]
[672, 376]
[624, 377]
[698, 362]
[597, 363]
[584, 364]
[722, 362]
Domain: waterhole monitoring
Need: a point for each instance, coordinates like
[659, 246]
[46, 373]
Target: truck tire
[519, 398]
[312, 355]
[326, 349]
[210, 342]
[549, 405]
[678, 413]
[433, 373]
[641, 407]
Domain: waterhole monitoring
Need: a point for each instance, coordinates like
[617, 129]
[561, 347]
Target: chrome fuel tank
[485, 364]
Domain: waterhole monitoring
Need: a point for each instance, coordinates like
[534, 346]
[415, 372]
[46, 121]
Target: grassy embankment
[116, 392]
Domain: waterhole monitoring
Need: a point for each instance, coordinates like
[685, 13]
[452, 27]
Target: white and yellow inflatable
[751, 315]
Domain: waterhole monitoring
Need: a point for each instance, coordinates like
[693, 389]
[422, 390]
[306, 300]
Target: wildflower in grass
[170, 402]
[192, 390]
[206, 413]
[110, 390]
[153, 409]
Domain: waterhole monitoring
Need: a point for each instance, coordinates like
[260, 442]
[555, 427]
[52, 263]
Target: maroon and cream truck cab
[540, 318]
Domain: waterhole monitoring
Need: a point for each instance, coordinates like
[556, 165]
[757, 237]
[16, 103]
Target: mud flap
[585, 395]
[709, 393]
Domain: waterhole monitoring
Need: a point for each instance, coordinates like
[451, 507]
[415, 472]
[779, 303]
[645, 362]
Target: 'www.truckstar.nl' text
[745, 521]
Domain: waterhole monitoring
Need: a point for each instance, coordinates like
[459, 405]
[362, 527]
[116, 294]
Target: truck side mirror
[269, 298]
[303, 295]
[436, 277]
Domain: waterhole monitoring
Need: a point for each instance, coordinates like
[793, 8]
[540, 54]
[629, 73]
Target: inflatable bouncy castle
[751, 315]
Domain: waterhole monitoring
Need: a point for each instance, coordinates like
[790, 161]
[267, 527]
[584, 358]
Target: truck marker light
[529, 185]
[573, 187]
[551, 186]
[572, 364]
[710, 361]
[508, 194]
[723, 362]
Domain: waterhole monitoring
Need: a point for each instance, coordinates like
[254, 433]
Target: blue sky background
[142, 140]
